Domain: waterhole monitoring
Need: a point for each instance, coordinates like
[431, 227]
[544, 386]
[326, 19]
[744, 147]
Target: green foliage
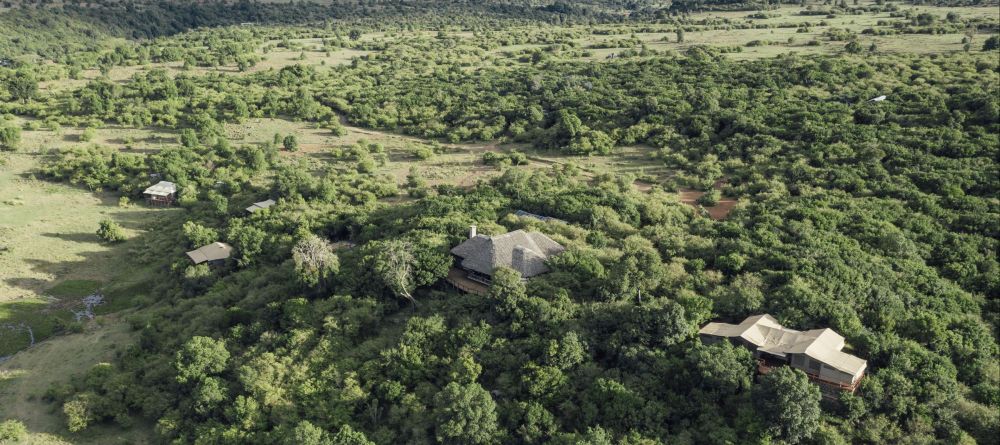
[88, 134]
[876, 219]
[10, 137]
[12, 431]
[200, 358]
[78, 412]
[465, 414]
[23, 86]
[710, 198]
[348, 436]
[290, 143]
[315, 261]
[110, 231]
[198, 235]
[991, 43]
[787, 404]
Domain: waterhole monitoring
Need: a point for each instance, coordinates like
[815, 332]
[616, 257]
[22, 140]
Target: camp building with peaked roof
[816, 352]
[161, 193]
[212, 253]
[257, 206]
[525, 252]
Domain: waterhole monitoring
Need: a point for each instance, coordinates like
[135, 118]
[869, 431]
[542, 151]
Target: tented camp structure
[522, 251]
[816, 352]
[260, 205]
[161, 193]
[212, 254]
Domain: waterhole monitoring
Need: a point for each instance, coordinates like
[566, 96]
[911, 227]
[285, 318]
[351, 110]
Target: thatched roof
[522, 251]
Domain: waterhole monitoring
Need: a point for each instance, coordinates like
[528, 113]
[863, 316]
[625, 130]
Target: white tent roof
[162, 188]
[764, 332]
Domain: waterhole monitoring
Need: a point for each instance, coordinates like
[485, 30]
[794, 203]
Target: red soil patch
[716, 212]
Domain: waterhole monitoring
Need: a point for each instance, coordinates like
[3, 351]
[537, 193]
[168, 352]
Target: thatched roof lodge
[525, 252]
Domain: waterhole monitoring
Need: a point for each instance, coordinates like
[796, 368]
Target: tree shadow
[75, 237]
[121, 267]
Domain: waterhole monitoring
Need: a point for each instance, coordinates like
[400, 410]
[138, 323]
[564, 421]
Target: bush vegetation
[333, 323]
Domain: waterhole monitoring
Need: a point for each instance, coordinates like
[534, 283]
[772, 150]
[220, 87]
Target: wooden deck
[457, 278]
[829, 389]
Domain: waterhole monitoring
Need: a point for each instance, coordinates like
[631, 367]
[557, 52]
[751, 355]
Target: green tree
[208, 395]
[247, 240]
[508, 290]
[88, 134]
[991, 43]
[198, 235]
[22, 85]
[10, 137]
[465, 414]
[79, 411]
[12, 431]
[290, 142]
[110, 231]
[787, 404]
[743, 297]
[315, 261]
[189, 138]
[637, 272]
[199, 358]
[348, 436]
[710, 198]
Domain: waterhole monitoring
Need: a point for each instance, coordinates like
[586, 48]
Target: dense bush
[333, 322]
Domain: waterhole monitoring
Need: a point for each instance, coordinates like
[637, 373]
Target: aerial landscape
[485, 222]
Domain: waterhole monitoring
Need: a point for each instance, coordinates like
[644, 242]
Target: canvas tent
[817, 352]
[211, 253]
[260, 205]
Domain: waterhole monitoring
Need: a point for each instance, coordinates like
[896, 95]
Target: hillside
[638, 170]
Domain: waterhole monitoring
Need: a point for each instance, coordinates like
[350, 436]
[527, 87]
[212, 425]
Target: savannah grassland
[50, 256]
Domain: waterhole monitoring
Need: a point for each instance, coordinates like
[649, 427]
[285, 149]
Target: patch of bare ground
[717, 212]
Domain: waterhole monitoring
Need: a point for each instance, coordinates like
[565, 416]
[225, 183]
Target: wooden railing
[764, 367]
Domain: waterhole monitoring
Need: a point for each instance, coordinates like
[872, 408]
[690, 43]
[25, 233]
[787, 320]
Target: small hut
[212, 254]
[162, 193]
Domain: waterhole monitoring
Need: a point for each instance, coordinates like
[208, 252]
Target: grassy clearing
[52, 255]
[311, 54]
[776, 40]
[25, 378]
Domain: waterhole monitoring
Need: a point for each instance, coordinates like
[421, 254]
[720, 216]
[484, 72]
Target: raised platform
[458, 278]
[829, 389]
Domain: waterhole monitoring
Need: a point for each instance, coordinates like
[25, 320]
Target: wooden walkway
[457, 278]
